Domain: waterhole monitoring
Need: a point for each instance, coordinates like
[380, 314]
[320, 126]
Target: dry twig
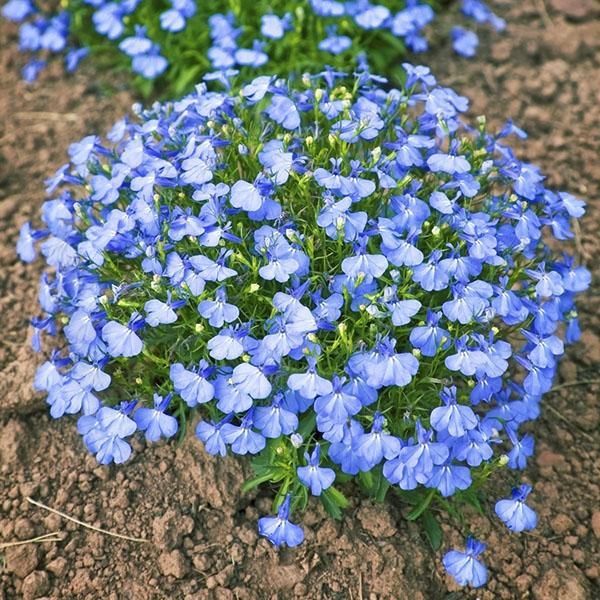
[54, 536]
[87, 525]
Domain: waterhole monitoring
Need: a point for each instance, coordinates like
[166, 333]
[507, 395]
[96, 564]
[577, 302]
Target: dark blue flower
[313, 476]
[515, 513]
[280, 530]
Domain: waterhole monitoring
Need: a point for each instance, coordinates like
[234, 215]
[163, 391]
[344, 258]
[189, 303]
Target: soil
[200, 530]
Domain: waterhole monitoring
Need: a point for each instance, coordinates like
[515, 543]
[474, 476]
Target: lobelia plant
[169, 44]
[336, 277]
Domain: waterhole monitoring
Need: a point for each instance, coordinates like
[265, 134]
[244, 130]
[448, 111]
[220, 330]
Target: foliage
[338, 278]
[169, 45]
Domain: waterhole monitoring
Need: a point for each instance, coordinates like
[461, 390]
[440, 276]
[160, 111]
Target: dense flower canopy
[337, 276]
[182, 39]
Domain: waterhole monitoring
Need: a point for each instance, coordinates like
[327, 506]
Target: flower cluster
[188, 38]
[339, 278]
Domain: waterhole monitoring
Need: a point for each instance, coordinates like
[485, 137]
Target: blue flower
[228, 344]
[371, 448]
[154, 422]
[280, 530]
[80, 152]
[310, 384]
[251, 380]
[17, 10]
[211, 435]
[174, 19]
[429, 338]
[275, 420]
[90, 375]
[281, 261]
[364, 264]
[150, 65]
[279, 164]
[192, 385]
[337, 219]
[32, 69]
[454, 418]
[283, 111]
[274, 27]
[449, 477]
[464, 566]
[246, 196]
[162, 313]
[313, 476]
[334, 43]
[342, 452]
[448, 163]
[542, 350]
[515, 513]
[431, 275]
[26, 243]
[464, 42]
[522, 449]
[422, 456]
[242, 439]
[108, 21]
[104, 433]
[389, 368]
[467, 360]
[337, 404]
[218, 311]
[136, 44]
[229, 395]
[372, 17]
[122, 340]
[252, 57]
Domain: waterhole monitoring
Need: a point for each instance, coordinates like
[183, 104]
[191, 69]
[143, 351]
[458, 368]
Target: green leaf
[187, 77]
[420, 508]
[432, 529]
[470, 497]
[375, 484]
[333, 500]
[383, 485]
[337, 496]
[365, 479]
[307, 425]
[256, 481]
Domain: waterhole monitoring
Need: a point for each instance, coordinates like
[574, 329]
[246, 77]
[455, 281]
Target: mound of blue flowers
[338, 278]
[180, 40]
